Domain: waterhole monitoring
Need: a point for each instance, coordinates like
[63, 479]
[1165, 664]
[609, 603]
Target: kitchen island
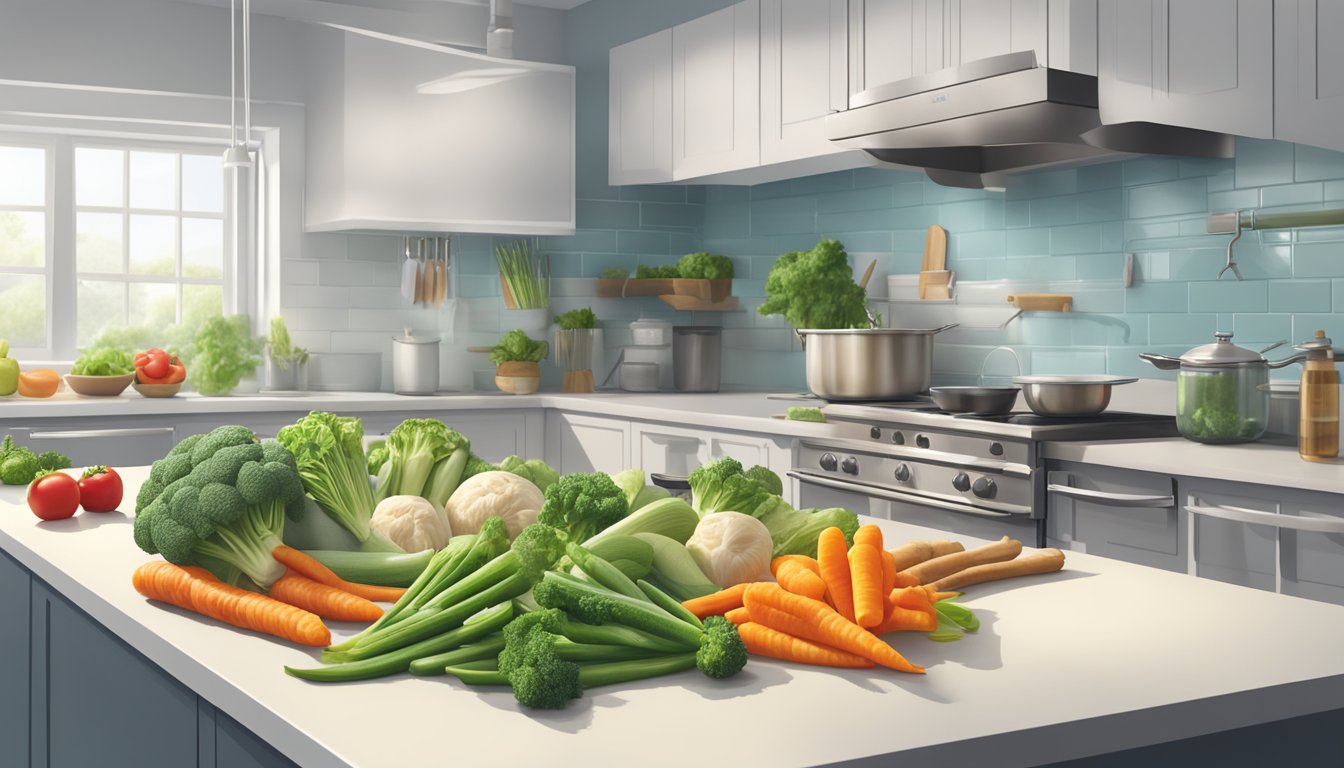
[1105, 656]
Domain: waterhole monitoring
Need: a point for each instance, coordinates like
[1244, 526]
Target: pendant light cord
[247, 72]
[233, 73]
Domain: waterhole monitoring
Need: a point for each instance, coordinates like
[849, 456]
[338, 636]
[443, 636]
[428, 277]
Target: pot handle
[1161, 362]
[945, 327]
[1288, 361]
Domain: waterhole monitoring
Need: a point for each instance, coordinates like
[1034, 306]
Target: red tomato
[53, 496]
[157, 365]
[100, 489]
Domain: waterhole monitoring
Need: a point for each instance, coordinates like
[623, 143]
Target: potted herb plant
[516, 358]
[286, 364]
[525, 281]
[226, 353]
[574, 348]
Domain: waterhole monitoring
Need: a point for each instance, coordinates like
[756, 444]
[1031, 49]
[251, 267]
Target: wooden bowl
[518, 378]
[99, 386]
[157, 390]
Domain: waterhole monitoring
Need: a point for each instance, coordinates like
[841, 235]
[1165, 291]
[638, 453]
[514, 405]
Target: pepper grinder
[1318, 425]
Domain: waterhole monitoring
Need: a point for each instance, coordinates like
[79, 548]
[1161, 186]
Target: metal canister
[415, 364]
[697, 355]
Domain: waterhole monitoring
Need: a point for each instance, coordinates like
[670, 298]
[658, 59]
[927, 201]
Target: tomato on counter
[100, 489]
[155, 366]
[53, 496]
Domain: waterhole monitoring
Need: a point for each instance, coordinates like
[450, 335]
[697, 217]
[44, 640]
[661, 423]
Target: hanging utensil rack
[1253, 219]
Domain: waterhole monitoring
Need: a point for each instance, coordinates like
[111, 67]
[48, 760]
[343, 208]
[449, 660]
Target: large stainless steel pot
[869, 363]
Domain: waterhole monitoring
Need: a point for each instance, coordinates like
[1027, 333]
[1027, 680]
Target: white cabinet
[893, 40]
[1120, 513]
[581, 443]
[405, 135]
[1203, 64]
[677, 451]
[639, 104]
[1309, 72]
[122, 442]
[716, 86]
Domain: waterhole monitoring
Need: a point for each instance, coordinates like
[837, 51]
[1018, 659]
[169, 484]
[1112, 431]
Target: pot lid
[408, 338]
[1320, 342]
[1221, 352]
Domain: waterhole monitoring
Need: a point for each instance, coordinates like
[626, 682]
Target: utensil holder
[574, 356]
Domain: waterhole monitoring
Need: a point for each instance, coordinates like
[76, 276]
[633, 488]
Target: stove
[919, 463]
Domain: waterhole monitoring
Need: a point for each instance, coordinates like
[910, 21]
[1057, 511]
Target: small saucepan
[1067, 396]
[980, 401]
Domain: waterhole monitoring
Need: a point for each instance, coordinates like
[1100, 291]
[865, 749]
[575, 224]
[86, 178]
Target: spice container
[1318, 423]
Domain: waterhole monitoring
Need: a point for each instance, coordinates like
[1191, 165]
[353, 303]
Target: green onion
[526, 277]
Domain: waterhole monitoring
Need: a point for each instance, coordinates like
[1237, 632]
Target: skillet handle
[1161, 362]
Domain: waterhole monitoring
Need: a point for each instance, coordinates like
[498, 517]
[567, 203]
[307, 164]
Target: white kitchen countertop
[1101, 657]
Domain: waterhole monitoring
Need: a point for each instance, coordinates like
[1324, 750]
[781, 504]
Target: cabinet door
[1206, 64]
[1311, 546]
[1309, 72]
[716, 92]
[1127, 515]
[804, 76]
[579, 443]
[15, 597]
[100, 442]
[984, 28]
[1234, 533]
[639, 120]
[892, 40]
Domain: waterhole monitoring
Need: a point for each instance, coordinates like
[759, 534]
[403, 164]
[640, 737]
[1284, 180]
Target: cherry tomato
[53, 496]
[100, 489]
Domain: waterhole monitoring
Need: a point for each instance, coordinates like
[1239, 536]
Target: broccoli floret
[722, 487]
[663, 272]
[582, 504]
[53, 460]
[804, 413]
[722, 652]
[540, 678]
[535, 470]
[706, 266]
[218, 439]
[170, 468]
[595, 604]
[19, 466]
[476, 465]
[769, 481]
[815, 289]
[273, 451]
[186, 445]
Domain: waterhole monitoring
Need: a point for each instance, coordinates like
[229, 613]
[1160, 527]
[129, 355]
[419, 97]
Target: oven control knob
[984, 488]
[850, 465]
[996, 449]
[898, 438]
[962, 482]
[922, 441]
[903, 472]
[876, 433]
[828, 462]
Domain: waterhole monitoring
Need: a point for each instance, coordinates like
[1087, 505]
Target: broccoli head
[19, 466]
[722, 652]
[707, 266]
[815, 289]
[476, 465]
[582, 504]
[53, 460]
[535, 470]
[721, 486]
[537, 547]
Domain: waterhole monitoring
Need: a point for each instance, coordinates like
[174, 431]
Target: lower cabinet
[1119, 513]
[581, 443]
[73, 695]
[678, 451]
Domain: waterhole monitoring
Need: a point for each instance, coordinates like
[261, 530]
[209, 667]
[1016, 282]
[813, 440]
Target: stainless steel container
[697, 354]
[1068, 396]
[415, 364]
[869, 363]
[982, 401]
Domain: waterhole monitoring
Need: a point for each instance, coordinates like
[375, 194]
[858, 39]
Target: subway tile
[1096, 330]
[784, 215]
[373, 247]
[682, 215]
[606, 214]
[872, 176]
[1230, 296]
[477, 286]
[1150, 230]
[1027, 242]
[1112, 235]
[1068, 362]
[1314, 163]
[877, 242]
[772, 189]
[656, 193]
[567, 265]
[1042, 184]
[1233, 200]
[1305, 326]
[1079, 238]
[726, 193]
[1318, 260]
[1168, 197]
[865, 199]
[316, 319]
[1045, 329]
[1016, 213]
[1291, 194]
[823, 182]
[1100, 266]
[728, 220]
[1049, 211]
[994, 215]
[1095, 300]
[385, 275]
[1100, 176]
[648, 243]
[472, 263]
[1189, 329]
[908, 193]
[298, 272]
[345, 273]
[962, 216]
[1203, 166]
[1148, 170]
[1045, 268]
[323, 245]
[1337, 294]
[988, 244]
[1101, 205]
[1262, 162]
[913, 217]
[937, 193]
[1299, 296]
[1157, 297]
[1317, 234]
[858, 221]
[1261, 329]
[1334, 190]
[1223, 180]
[373, 298]
[583, 241]
[316, 296]
[695, 193]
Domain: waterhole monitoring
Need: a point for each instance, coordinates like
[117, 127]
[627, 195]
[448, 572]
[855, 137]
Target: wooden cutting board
[935, 256]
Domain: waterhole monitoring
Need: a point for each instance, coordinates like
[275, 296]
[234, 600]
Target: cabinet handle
[82, 434]
[1273, 519]
[1133, 500]
[897, 496]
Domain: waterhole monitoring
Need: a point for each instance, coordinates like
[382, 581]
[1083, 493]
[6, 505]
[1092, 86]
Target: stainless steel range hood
[972, 125]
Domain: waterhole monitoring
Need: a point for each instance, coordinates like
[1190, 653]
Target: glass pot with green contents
[1221, 395]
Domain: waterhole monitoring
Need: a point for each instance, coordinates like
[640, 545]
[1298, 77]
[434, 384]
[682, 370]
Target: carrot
[905, 579]
[813, 620]
[833, 559]
[1042, 561]
[913, 553]
[796, 578]
[810, 563]
[868, 534]
[888, 571]
[865, 568]
[716, 604]
[327, 602]
[900, 618]
[913, 598]
[931, 571]
[738, 616]
[935, 595]
[306, 565]
[764, 641]
[165, 582]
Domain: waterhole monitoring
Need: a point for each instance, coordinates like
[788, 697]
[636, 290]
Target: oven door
[893, 504]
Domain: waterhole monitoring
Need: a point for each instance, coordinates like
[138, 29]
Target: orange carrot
[327, 602]
[764, 641]
[306, 565]
[165, 582]
[865, 568]
[833, 559]
[810, 563]
[935, 595]
[905, 579]
[716, 604]
[796, 578]
[813, 620]
[869, 534]
[738, 616]
[914, 598]
[899, 618]
[888, 571]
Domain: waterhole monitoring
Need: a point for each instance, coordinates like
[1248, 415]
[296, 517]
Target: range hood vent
[971, 126]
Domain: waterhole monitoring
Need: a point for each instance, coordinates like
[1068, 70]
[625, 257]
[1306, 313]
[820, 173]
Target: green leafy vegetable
[526, 276]
[646, 272]
[576, 319]
[705, 266]
[329, 452]
[516, 347]
[534, 470]
[1211, 407]
[721, 486]
[53, 460]
[815, 289]
[103, 361]
[225, 353]
[615, 273]
[18, 464]
[954, 620]
[281, 348]
[426, 459]
[802, 413]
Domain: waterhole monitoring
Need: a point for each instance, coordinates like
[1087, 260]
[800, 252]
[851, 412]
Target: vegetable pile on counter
[20, 464]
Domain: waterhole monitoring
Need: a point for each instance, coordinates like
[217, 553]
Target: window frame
[50, 145]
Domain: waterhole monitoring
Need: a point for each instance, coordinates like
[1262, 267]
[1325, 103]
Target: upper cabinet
[716, 85]
[404, 135]
[1203, 64]
[639, 111]
[1309, 72]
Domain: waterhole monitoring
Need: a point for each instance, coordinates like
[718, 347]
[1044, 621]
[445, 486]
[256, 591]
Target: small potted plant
[516, 358]
[574, 348]
[286, 364]
[226, 354]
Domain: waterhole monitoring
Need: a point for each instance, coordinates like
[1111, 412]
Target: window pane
[98, 242]
[153, 245]
[23, 176]
[202, 248]
[101, 304]
[153, 304]
[200, 302]
[153, 182]
[98, 176]
[23, 310]
[203, 183]
[23, 238]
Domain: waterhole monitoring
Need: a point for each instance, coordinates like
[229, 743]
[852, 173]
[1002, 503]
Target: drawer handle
[1133, 500]
[1273, 519]
[81, 434]
[897, 496]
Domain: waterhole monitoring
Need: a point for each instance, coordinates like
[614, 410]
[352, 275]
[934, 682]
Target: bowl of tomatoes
[158, 374]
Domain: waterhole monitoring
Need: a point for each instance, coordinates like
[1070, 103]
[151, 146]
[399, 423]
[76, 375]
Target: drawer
[115, 446]
[1235, 536]
[1311, 557]
[1123, 514]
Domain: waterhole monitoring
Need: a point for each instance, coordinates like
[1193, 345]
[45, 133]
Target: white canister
[639, 377]
[650, 332]
[415, 364]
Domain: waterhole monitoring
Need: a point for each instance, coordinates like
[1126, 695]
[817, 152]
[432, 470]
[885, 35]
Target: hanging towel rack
[1227, 223]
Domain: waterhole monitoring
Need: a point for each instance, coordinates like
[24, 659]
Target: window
[136, 236]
